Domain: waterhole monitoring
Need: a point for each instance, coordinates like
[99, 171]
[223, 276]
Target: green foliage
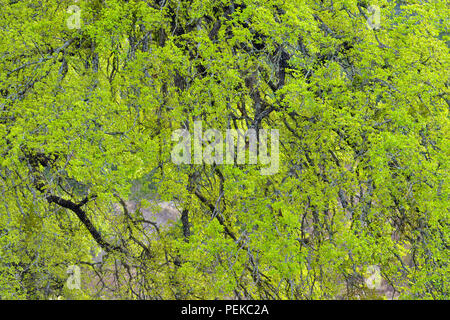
[86, 118]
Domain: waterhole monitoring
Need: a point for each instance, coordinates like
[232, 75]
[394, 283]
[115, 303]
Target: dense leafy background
[86, 118]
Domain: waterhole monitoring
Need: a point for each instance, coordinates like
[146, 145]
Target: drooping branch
[81, 214]
[214, 213]
[35, 159]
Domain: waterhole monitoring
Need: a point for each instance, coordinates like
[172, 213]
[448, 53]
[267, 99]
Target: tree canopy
[92, 92]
